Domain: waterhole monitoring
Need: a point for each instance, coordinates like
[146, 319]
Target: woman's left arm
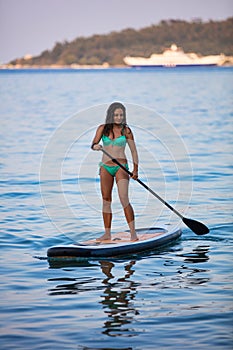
[133, 149]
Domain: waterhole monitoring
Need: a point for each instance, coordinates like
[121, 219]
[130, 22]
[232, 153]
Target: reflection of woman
[118, 300]
[115, 134]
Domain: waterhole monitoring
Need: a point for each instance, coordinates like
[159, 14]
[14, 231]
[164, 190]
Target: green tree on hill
[196, 36]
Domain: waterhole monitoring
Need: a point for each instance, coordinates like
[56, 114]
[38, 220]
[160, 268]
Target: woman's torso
[114, 145]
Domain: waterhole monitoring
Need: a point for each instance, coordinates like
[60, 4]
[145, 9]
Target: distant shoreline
[55, 66]
[227, 63]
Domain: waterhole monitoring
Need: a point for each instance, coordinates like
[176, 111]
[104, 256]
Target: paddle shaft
[143, 184]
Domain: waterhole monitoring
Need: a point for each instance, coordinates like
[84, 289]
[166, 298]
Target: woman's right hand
[97, 147]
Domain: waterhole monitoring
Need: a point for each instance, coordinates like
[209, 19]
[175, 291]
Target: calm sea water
[177, 298]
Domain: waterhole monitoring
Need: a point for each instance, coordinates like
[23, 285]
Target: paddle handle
[143, 184]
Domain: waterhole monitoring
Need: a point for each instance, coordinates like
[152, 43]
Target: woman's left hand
[134, 175]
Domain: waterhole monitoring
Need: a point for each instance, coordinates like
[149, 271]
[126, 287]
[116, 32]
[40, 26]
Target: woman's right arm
[95, 143]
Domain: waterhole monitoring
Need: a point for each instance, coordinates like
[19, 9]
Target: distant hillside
[205, 38]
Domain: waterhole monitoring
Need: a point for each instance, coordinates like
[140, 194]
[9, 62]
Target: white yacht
[174, 57]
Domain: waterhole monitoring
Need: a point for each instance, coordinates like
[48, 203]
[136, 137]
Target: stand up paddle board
[120, 244]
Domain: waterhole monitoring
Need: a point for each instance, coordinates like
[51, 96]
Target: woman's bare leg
[106, 184]
[122, 180]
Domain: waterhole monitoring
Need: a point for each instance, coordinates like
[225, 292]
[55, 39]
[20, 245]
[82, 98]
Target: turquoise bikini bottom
[112, 169]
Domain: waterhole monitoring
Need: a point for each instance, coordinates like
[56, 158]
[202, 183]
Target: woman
[115, 134]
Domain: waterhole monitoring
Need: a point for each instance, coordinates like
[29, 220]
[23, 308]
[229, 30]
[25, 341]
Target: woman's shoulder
[99, 131]
[100, 128]
[127, 131]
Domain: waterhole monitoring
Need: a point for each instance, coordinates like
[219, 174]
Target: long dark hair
[109, 121]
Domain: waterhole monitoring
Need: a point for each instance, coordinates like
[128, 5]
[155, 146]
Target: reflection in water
[79, 284]
[117, 294]
[198, 255]
[118, 301]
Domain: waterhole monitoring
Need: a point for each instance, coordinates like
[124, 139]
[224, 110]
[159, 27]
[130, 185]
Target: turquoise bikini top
[119, 141]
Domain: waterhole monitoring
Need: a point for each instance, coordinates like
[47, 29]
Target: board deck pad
[123, 237]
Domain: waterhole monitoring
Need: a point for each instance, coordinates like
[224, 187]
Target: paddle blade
[196, 226]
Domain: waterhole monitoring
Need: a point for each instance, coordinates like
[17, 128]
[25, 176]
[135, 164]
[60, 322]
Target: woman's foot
[105, 237]
[134, 237]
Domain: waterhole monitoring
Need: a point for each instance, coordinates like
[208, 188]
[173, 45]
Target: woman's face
[118, 116]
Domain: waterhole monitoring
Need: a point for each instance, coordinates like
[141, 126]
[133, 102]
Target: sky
[28, 27]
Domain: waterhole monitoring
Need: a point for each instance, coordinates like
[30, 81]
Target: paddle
[196, 226]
